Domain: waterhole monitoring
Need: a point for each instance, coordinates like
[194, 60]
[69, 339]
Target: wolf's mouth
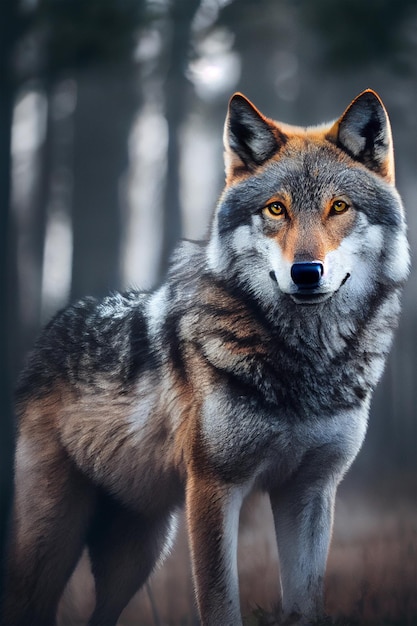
[311, 296]
[344, 280]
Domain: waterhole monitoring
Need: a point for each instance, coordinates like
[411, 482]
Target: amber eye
[339, 206]
[275, 209]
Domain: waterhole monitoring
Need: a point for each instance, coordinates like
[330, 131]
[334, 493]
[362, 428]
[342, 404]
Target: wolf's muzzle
[307, 275]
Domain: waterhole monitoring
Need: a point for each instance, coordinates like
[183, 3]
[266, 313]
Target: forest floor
[371, 576]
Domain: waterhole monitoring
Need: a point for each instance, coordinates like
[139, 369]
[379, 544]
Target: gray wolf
[251, 367]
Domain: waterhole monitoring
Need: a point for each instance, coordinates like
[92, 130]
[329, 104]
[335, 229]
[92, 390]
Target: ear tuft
[364, 132]
[249, 138]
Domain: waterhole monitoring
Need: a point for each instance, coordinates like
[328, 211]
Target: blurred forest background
[111, 116]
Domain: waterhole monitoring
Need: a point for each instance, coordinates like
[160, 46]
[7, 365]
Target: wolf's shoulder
[87, 341]
[93, 321]
[112, 338]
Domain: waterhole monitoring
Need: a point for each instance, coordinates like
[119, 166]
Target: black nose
[307, 275]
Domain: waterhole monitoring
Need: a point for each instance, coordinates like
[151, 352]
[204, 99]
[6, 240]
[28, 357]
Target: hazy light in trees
[217, 68]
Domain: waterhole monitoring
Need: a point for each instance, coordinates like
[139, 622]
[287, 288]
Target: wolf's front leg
[213, 519]
[303, 516]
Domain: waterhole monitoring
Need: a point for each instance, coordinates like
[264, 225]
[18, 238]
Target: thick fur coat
[252, 367]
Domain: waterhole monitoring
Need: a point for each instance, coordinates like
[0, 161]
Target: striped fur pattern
[235, 375]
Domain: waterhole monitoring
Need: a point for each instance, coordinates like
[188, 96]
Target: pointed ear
[364, 132]
[249, 137]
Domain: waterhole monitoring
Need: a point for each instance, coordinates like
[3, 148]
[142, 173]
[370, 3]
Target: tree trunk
[8, 24]
[106, 104]
[177, 94]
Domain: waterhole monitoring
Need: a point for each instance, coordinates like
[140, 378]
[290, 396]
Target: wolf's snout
[307, 275]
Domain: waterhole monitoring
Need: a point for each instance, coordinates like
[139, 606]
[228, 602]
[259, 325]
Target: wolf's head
[309, 214]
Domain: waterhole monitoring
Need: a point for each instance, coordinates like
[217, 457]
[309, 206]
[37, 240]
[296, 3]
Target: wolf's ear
[364, 132]
[249, 137]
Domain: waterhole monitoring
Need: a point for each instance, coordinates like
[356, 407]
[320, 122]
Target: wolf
[251, 367]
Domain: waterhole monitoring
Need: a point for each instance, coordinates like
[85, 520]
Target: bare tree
[8, 31]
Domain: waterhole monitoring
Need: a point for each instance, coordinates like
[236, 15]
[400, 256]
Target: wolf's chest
[246, 437]
[300, 383]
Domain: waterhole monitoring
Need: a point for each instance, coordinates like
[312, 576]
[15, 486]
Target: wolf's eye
[338, 207]
[275, 209]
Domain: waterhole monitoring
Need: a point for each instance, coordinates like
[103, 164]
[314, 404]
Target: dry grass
[371, 576]
[372, 570]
